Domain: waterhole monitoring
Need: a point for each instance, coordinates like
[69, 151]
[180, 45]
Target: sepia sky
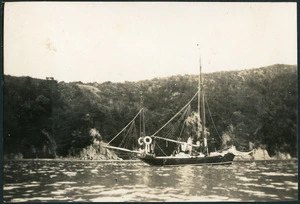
[104, 41]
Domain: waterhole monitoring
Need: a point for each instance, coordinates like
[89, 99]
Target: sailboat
[193, 152]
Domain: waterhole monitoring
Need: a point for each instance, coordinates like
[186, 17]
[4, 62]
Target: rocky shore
[262, 154]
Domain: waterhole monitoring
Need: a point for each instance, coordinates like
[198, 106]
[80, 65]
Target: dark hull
[212, 160]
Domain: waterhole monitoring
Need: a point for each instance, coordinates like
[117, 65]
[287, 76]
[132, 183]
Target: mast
[141, 98]
[201, 110]
[203, 115]
[199, 97]
[142, 116]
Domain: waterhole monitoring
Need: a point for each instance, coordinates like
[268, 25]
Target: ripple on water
[141, 183]
[151, 197]
[69, 173]
[246, 179]
[252, 170]
[131, 170]
[169, 190]
[94, 171]
[31, 185]
[212, 198]
[276, 174]
[267, 186]
[7, 188]
[166, 169]
[79, 200]
[291, 184]
[163, 174]
[258, 193]
[59, 192]
[31, 199]
[120, 172]
[58, 184]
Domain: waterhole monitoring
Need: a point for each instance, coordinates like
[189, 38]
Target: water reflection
[100, 182]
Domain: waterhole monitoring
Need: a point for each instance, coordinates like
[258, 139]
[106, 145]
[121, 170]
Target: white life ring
[147, 140]
[140, 141]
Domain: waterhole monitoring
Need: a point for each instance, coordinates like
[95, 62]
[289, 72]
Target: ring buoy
[140, 141]
[147, 140]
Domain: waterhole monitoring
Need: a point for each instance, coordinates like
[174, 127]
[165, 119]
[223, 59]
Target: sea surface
[56, 180]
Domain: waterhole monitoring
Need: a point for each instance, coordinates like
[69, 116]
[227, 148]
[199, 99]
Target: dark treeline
[44, 118]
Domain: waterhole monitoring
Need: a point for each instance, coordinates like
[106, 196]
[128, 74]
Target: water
[38, 180]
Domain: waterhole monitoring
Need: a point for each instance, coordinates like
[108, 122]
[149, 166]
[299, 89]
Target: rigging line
[125, 127]
[121, 144]
[177, 124]
[181, 131]
[169, 130]
[161, 149]
[175, 141]
[183, 126]
[183, 118]
[146, 124]
[212, 118]
[119, 148]
[130, 139]
[134, 137]
[130, 136]
[172, 130]
[127, 139]
[176, 113]
[174, 127]
[126, 144]
[126, 135]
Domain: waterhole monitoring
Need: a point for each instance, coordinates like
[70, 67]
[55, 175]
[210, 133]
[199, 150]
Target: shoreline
[130, 161]
[72, 160]
[261, 160]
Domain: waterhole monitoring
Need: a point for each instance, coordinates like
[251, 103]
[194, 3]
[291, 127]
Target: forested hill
[46, 118]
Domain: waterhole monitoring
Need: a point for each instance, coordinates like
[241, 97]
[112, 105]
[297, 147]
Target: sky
[105, 41]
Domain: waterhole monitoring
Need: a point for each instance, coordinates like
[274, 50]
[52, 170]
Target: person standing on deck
[198, 148]
[189, 143]
[179, 146]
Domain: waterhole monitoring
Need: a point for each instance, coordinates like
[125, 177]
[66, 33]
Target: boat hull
[174, 161]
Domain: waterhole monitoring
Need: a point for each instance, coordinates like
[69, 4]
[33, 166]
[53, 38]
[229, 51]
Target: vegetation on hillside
[46, 118]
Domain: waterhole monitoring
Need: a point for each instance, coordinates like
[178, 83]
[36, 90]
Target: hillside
[44, 118]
